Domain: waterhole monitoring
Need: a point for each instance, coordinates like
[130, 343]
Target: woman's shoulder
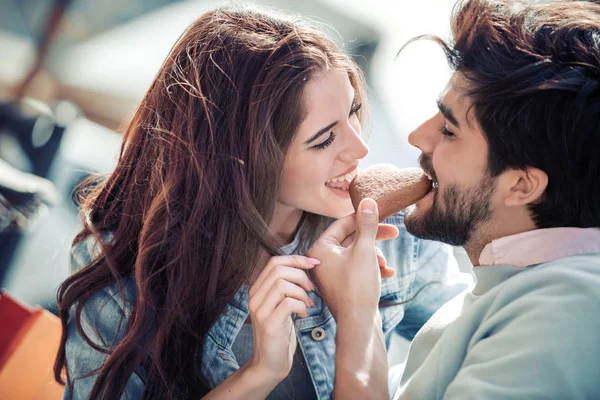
[112, 299]
[86, 250]
[105, 314]
[104, 318]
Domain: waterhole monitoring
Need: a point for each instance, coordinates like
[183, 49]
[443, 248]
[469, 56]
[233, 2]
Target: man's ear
[525, 186]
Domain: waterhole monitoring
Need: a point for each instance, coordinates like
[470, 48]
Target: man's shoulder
[577, 273]
[546, 321]
[562, 295]
[579, 262]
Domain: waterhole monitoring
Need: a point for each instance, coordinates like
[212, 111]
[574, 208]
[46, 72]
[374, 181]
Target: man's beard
[464, 210]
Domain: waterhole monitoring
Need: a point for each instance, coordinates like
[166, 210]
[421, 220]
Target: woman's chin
[342, 210]
[331, 206]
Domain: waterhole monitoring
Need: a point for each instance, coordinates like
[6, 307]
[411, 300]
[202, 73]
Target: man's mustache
[427, 166]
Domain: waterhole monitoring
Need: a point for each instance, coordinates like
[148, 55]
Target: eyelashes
[355, 109]
[446, 132]
[326, 143]
[332, 135]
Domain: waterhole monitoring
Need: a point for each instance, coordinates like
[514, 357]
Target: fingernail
[313, 261]
[312, 303]
[368, 207]
[312, 286]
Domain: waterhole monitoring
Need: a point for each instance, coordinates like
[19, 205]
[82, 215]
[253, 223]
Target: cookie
[392, 188]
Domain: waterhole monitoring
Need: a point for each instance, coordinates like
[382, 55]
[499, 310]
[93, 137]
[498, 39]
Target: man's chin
[419, 223]
[413, 220]
[432, 227]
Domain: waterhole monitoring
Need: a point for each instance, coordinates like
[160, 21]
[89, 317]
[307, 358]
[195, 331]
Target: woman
[238, 156]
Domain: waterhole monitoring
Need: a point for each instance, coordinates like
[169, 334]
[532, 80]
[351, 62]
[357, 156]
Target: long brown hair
[190, 201]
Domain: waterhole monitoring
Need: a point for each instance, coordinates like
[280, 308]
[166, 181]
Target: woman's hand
[279, 291]
[384, 232]
[350, 282]
[349, 277]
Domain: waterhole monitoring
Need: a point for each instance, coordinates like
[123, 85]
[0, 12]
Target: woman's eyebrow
[320, 132]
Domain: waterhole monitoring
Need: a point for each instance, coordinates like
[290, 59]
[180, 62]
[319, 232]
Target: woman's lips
[341, 185]
[346, 177]
[342, 182]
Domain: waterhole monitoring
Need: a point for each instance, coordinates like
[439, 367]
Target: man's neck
[474, 250]
[507, 224]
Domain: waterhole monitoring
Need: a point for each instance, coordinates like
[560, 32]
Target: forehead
[328, 96]
[454, 96]
[327, 87]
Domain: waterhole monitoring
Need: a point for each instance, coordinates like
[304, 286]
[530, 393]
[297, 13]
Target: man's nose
[424, 137]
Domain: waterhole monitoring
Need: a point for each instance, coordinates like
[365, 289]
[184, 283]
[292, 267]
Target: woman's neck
[285, 222]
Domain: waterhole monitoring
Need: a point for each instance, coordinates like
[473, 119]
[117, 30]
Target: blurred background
[99, 58]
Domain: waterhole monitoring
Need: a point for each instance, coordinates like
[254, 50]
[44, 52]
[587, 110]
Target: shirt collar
[540, 246]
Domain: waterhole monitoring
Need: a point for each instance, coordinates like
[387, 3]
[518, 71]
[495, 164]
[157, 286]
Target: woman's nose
[356, 148]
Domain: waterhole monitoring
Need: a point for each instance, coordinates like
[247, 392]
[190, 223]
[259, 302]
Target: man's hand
[349, 276]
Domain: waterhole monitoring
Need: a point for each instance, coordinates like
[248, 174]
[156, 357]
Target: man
[513, 157]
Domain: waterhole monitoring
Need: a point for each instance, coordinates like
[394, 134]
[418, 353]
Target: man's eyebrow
[447, 113]
[320, 132]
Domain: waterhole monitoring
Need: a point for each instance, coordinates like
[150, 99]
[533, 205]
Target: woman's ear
[525, 186]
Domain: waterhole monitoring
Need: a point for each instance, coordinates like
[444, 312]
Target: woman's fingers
[338, 231]
[384, 232]
[348, 241]
[286, 308]
[380, 258]
[280, 291]
[292, 275]
[294, 261]
[387, 232]
[387, 272]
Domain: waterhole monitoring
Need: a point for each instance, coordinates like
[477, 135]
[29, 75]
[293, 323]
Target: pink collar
[540, 246]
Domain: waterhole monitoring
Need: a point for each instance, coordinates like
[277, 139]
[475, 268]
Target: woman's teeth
[341, 182]
[347, 177]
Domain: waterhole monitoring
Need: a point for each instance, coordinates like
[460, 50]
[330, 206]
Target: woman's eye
[326, 143]
[355, 108]
[446, 132]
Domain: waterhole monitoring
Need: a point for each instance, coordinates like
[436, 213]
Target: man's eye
[446, 132]
[326, 143]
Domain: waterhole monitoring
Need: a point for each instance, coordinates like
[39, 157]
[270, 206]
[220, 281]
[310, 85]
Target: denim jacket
[417, 262]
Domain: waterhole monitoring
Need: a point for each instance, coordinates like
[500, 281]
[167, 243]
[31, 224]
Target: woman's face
[323, 157]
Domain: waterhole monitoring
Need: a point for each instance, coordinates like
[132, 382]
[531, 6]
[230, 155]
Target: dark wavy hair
[190, 201]
[534, 80]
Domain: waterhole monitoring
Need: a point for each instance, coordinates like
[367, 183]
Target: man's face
[454, 155]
